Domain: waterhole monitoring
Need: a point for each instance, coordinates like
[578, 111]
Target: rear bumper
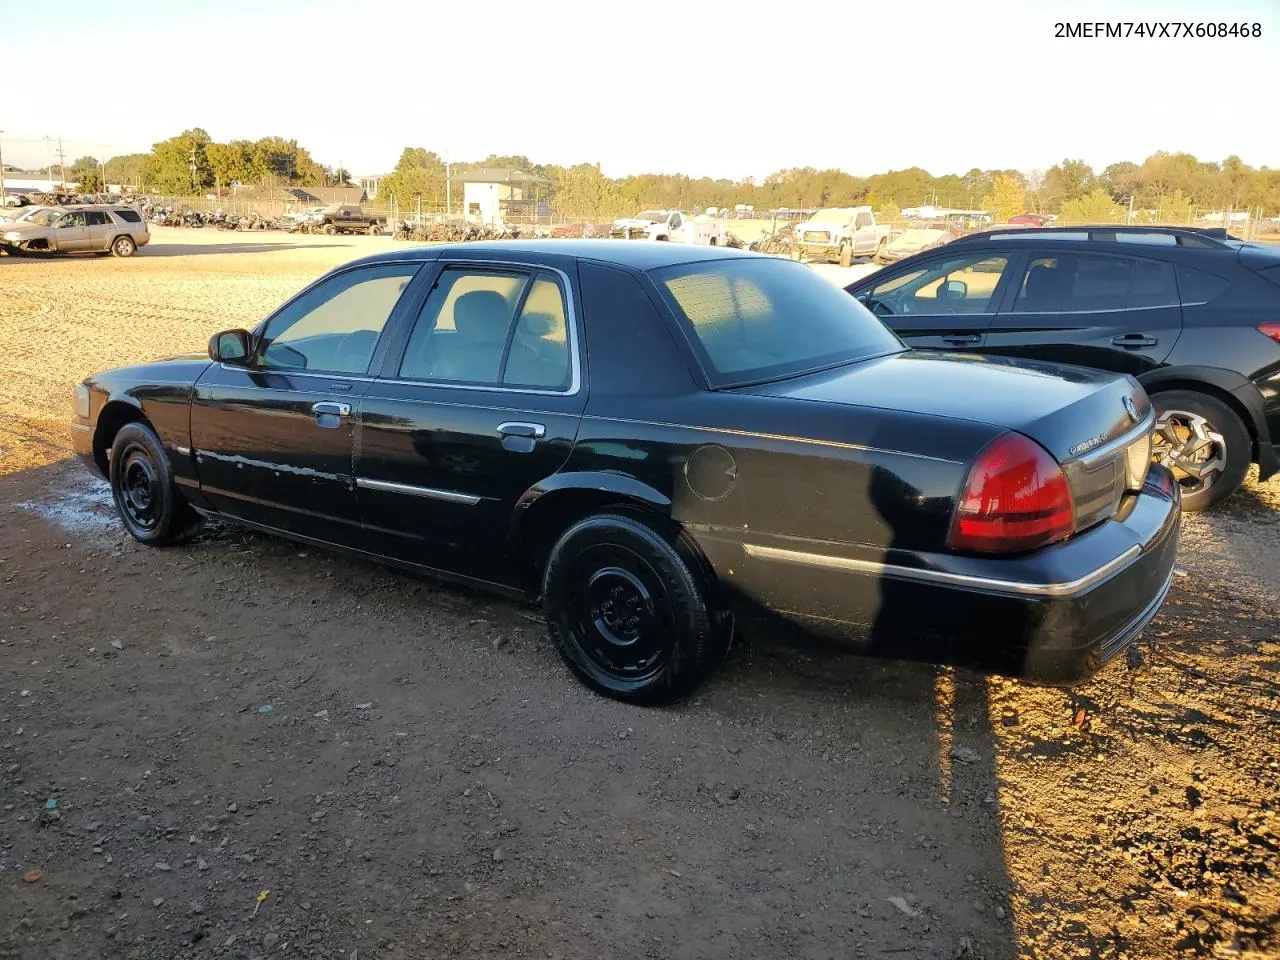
[1054, 616]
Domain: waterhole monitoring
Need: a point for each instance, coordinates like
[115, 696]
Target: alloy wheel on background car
[1189, 445]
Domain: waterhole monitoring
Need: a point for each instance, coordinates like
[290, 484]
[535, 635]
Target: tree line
[1167, 186]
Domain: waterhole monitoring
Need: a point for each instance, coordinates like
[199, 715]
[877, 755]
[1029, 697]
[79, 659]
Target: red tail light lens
[1015, 498]
[1271, 330]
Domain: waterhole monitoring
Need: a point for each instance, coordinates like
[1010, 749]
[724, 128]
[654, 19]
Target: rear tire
[1204, 443]
[123, 246]
[629, 609]
[150, 505]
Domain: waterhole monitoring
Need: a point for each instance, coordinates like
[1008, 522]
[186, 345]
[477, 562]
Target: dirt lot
[403, 770]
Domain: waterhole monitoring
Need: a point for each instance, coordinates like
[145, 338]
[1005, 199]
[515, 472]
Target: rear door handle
[961, 338]
[520, 437]
[514, 428]
[1135, 340]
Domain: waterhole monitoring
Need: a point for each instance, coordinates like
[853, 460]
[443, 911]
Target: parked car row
[664, 444]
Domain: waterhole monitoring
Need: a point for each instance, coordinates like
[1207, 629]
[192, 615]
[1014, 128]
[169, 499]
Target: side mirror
[229, 346]
[955, 289]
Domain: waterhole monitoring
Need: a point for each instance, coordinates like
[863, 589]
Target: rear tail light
[1271, 330]
[1015, 498]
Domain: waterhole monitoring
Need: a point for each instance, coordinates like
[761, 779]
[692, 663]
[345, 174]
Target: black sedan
[663, 442]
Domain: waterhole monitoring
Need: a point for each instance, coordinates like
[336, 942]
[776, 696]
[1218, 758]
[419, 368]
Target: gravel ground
[404, 770]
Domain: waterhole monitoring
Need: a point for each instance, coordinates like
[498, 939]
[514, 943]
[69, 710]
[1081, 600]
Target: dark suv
[1194, 315]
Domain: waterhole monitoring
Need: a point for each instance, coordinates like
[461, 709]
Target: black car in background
[1194, 315]
[657, 439]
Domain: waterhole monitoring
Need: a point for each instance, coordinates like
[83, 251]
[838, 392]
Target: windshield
[763, 319]
[836, 215]
[657, 216]
[40, 218]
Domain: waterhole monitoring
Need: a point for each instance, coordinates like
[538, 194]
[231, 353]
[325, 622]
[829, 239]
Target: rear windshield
[752, 320]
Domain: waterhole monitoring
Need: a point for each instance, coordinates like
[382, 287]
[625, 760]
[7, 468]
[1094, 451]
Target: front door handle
[1135, 340]
[333, 409]
[329, 414]
[961, 338]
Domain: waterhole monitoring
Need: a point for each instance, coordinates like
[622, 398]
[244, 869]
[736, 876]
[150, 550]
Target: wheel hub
[138, 490]
[620, 605]
[1188, 445]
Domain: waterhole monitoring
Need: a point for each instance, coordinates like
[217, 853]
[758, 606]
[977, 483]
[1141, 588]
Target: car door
[482, 400]
[70, 234]
[1097, 309]
[945, 303]
[273, 438]
[864, 233]
[100, 229]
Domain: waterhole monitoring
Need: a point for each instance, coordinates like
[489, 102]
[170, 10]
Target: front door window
[334, 326]
[956, 285]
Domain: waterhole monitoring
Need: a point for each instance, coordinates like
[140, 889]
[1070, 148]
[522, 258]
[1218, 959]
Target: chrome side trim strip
[1020, 587]
[429, 493]
[184, 451]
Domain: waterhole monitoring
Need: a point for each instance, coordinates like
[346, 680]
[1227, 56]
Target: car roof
[636, 254]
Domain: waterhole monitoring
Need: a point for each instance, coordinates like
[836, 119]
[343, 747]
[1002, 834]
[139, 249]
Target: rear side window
[128, 216]
[1198, 287]
[1072, 282]
[97, 218]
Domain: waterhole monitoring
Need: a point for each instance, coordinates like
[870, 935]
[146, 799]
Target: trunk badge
[1132, 408]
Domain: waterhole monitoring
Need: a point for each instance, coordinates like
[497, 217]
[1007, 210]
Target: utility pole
[1129, 219]
[62, 161]
[448, 190]
[193, 169]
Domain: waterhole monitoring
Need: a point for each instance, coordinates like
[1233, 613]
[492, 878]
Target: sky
[702, 87]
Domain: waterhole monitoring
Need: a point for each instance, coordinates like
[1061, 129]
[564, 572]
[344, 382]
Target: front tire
[881, 248]
[846, 255]
[375, 230]
[123, 247]
[146, 497]
[330, 230]
[1204, 443]
[629, 609]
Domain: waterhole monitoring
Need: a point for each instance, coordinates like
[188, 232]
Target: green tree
[86, 174]
[1068, 180]
[127, 169]
[584, 191]
[418, 175]
[1097, 206]
[178, 165]
[230, 162]
[1008, 198]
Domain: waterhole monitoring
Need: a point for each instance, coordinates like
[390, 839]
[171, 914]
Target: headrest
[482, 316]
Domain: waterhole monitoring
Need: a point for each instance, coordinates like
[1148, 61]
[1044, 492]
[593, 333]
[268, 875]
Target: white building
[492, 195]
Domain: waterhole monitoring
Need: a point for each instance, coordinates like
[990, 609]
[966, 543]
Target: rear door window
[1197, 287]
[1074, 282]
[97, 218]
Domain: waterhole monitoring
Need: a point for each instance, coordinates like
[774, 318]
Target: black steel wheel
[630, 611]
[149, 503]
[1204, 443]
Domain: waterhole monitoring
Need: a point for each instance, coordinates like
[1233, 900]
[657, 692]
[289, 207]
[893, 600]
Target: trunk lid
[1070, 411]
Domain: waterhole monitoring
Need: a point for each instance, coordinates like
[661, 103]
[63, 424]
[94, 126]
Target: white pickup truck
[673, 225]
[840, 233]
